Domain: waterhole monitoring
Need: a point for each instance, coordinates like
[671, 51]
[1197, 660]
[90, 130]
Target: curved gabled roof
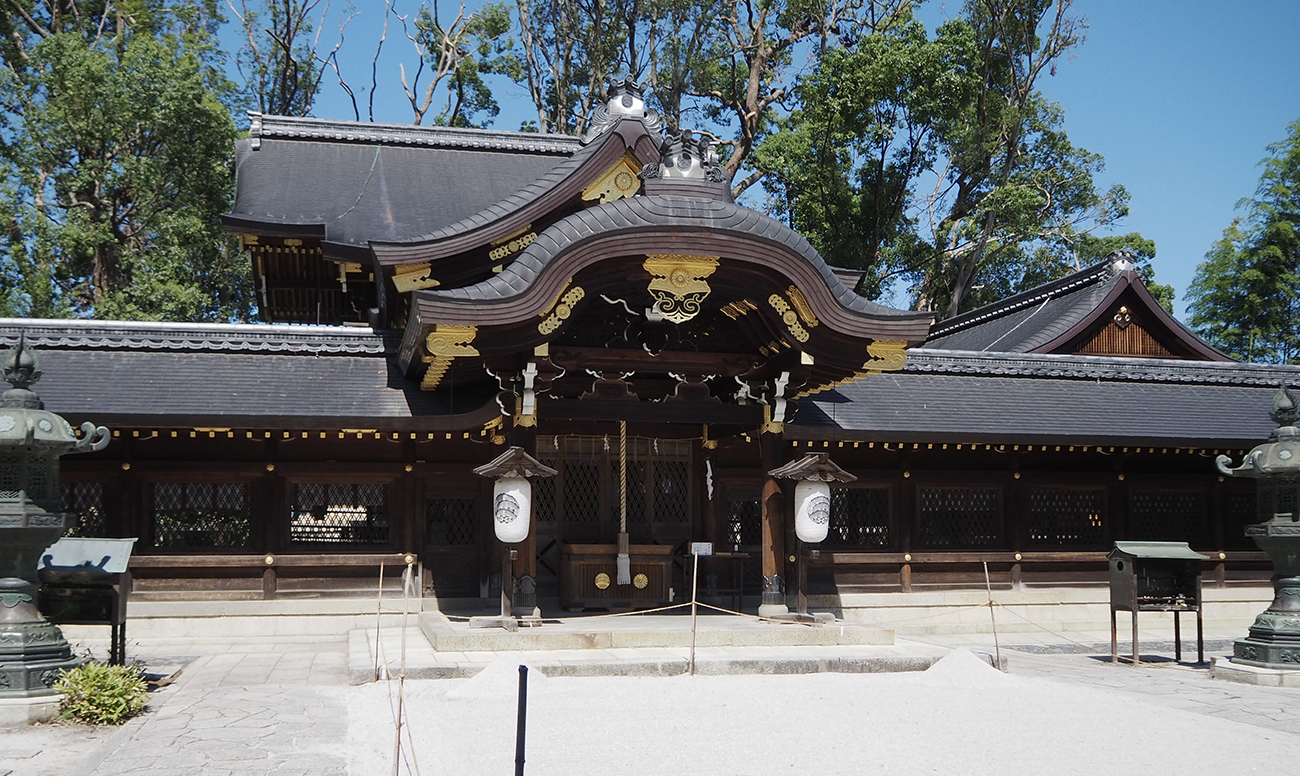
[351, 182]
[665, 224]
[534, 200]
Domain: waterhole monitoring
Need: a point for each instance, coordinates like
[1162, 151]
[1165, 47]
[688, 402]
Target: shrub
[102, 694]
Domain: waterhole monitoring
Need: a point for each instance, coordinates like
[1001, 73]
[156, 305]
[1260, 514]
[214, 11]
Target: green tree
[843, 167]
[937, 160]
[1244, 297]
[115, 164]
[1012, 177]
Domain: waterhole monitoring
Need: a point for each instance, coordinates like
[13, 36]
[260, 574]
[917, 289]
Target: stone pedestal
[1274, 640]
[33, 653]
[772, 604]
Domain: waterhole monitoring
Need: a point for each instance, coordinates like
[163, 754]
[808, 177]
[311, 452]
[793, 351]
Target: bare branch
[36, 27]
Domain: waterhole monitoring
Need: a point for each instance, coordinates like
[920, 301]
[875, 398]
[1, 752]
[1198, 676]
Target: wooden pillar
[772, 549]
[525, 565]
[906, 515]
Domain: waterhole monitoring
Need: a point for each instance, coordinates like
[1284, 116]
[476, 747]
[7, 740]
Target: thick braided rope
[622, 476]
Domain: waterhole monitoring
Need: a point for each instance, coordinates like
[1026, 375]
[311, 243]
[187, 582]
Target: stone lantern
[32, 651]
[1271, 653]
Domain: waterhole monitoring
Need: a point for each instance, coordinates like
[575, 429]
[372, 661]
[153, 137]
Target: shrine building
[433, 296]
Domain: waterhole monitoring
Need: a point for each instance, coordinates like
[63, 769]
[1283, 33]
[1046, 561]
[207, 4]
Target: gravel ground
[960, 717]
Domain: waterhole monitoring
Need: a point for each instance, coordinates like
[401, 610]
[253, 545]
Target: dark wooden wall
[919, 514]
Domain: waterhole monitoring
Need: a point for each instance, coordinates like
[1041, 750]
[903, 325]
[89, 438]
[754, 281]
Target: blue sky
[1181, 97]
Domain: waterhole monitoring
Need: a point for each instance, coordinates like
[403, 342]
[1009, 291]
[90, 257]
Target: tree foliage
[727, 64]
[1244, 297]
[114, 166]
[937, 160]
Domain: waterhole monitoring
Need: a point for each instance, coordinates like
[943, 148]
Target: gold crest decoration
[560, 310]
[618, 182]
[413, 277]
[789, 317]
[677, 284]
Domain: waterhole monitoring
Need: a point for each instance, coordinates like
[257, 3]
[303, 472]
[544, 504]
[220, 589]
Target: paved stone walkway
[279, 710]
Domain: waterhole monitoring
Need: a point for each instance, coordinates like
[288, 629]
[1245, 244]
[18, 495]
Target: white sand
[960, 717]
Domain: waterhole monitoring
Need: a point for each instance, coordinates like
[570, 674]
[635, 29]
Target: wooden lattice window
[586, 489]
[636, 494]
[201, 514]
[744, 523]
[339, 513]
[672, 491]
[1241, 512]
[1167, 515]
[1066, 517]
[959, 517]
[451, 520]
[544, 493]
[582, 487]
[859, 518]
[85, 502]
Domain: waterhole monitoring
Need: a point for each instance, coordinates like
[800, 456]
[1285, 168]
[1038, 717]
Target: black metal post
[523, 717]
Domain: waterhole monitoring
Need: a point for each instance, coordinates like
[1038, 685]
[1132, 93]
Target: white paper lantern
[512, 508]
[812, 510]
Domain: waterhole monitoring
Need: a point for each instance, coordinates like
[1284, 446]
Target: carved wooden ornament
[446, 343]
[678, 285]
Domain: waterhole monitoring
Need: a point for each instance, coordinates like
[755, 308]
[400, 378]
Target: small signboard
[701, 548]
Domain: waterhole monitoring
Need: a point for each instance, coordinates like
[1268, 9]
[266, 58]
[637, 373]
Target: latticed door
[453, 533]
[582, 503]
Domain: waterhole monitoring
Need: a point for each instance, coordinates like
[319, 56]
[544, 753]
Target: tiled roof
[231, 338]
[1030, 319]
[930, 360]
[975, 396]
[264, 126]
[369, 188]
[219, 374]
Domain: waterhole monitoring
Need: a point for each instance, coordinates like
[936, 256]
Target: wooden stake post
[697, 549]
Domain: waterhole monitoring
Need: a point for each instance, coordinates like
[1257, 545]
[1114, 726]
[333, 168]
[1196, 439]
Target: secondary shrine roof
[1052, 316]
[307, 377]
[957, 396]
